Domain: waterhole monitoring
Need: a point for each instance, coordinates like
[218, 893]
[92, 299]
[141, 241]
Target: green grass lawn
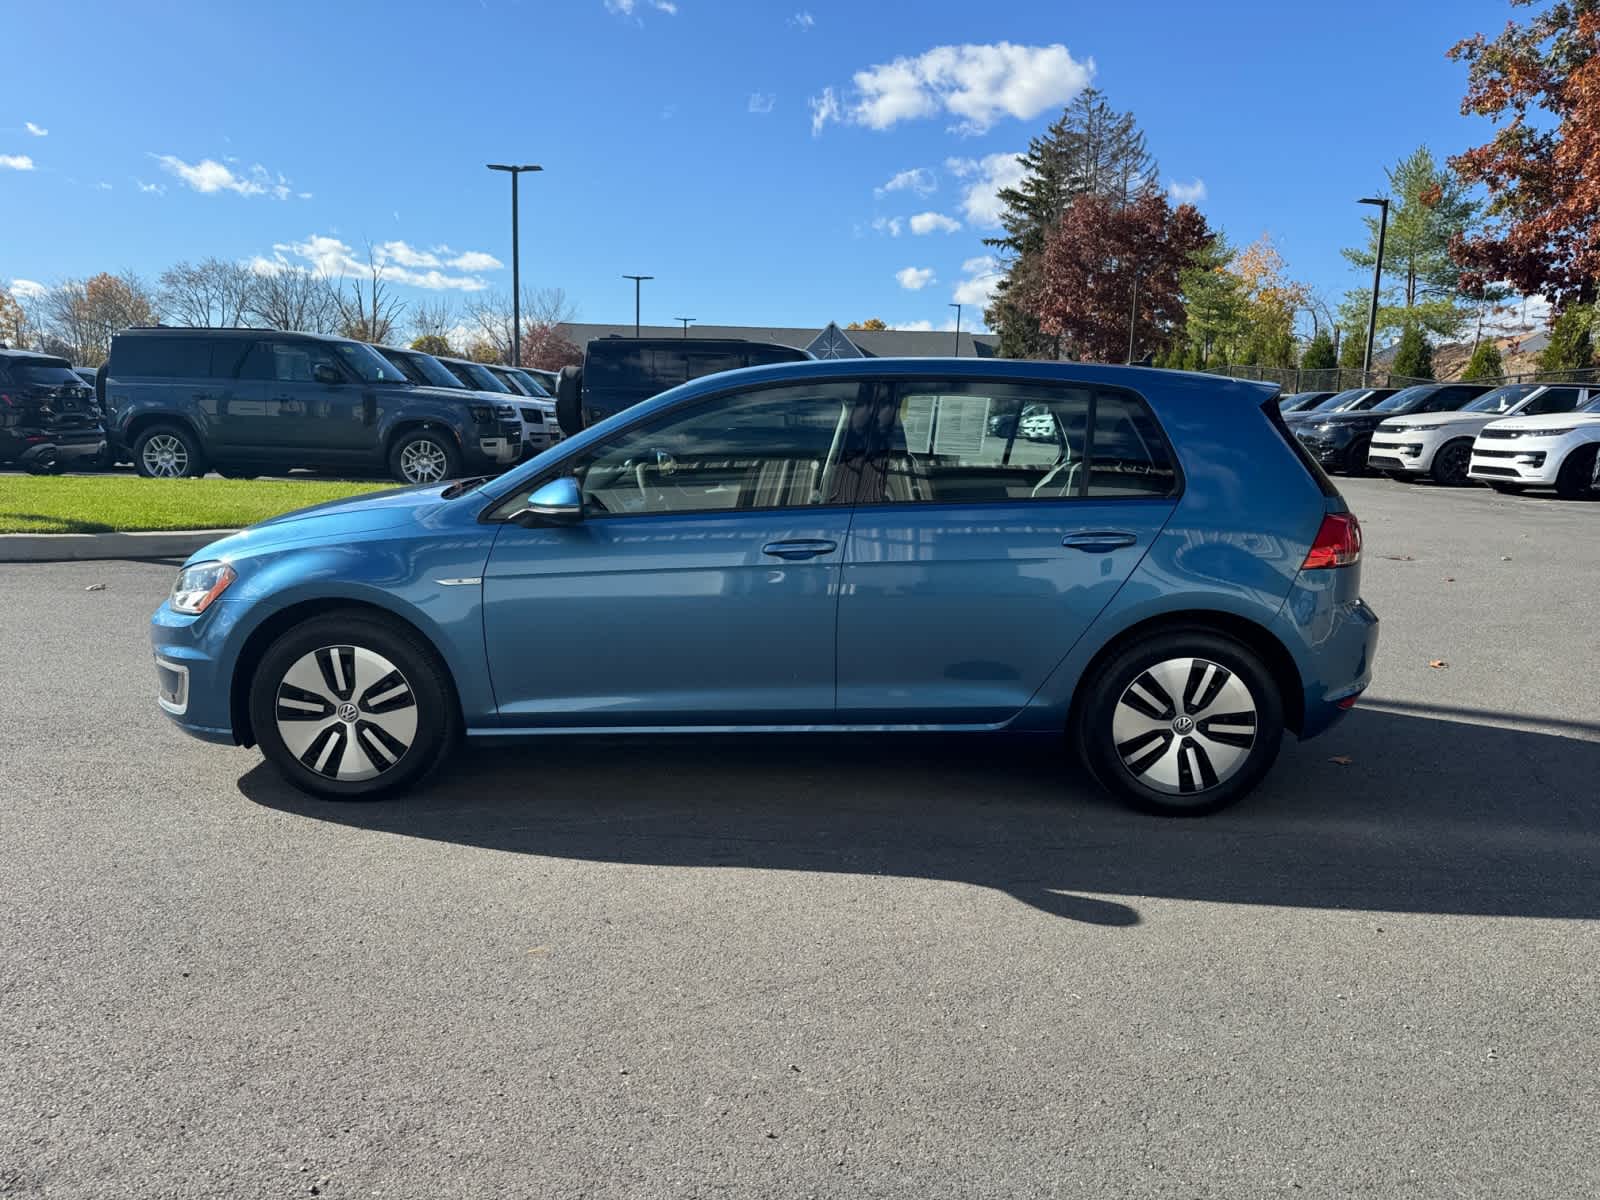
[119, 503]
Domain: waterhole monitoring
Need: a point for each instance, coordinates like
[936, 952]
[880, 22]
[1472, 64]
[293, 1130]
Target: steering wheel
[658, 460]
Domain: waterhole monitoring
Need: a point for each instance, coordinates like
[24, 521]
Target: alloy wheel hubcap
[1184, 726]
[165, 456]
[422, 462]
[346, 712]
[1455, 461]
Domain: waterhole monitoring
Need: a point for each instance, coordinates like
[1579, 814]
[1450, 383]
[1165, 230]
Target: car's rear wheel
[1181, 723]
[352, 707]
[424, 456]
[1451, 462]
[168, 452]
[1575, 480]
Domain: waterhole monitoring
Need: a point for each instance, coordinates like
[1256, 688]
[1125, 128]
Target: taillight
[1338, 543]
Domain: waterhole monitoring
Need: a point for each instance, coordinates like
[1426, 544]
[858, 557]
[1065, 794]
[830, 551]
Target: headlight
[199, 585]
[1547, 432]
[481, 414]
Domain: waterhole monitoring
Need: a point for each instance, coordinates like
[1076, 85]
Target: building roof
[870, 343]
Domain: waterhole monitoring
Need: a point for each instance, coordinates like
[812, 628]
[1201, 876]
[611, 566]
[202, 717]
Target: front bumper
[1402, 452]
[192, 683]
[1331, 453]
[1529, 465]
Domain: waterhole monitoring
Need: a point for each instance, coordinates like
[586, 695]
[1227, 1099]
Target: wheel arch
[1249, 633]
[140, 422]
[281, 621]
[412, 423]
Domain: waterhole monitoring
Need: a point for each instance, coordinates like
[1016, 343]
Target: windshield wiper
[462, 485]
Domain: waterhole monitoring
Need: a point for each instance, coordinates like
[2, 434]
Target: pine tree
[1353, 349]
[1319, 355]
[1571, 345]
[1414, 357]
[1485, 365]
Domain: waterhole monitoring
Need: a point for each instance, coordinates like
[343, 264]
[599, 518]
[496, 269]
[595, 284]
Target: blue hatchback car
[1141, 563]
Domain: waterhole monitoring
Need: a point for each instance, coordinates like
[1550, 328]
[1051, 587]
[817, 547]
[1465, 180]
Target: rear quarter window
[161, 358]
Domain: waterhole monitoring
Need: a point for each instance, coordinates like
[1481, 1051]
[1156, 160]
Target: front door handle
[804, 548]
[1101, 541]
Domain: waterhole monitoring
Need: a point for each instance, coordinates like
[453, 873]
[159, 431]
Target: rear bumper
[1333, 635]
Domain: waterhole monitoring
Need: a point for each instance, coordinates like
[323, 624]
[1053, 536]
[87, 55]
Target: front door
[995, 535]
[700, 588]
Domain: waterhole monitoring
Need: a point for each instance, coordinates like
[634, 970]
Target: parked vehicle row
[181, 401]
[1162, 580]
[48, 416]
[1527, 435]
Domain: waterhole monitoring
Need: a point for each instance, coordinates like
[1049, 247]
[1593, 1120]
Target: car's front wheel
[352, 706]
[424, 456]
[1576, 477]
[1451, 462]
[1181, 723]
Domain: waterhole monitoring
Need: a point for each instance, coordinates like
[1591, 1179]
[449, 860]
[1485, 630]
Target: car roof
[38, 356]
[224, 331]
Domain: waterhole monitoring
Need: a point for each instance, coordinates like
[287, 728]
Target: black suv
[48, 417]
[619, 372]
[252, 400]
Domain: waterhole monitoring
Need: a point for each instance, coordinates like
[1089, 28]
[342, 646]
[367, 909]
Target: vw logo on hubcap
[1183, 725]
[348, 712]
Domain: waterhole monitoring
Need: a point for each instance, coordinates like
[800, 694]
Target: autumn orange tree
[1539, 81]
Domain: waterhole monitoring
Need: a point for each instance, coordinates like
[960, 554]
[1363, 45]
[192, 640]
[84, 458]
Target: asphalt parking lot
[858, 969]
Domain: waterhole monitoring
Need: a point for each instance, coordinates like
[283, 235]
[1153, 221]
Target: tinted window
[1501, 399]
[162, 357]
[44, 373]
[408, 367]
[963, 441]
[475, 375]
[780, 447]
[513, 384]
[228, 356]
[530, 385]
[702, 364]
[757, 355]
[293, 362]
[1556, 400]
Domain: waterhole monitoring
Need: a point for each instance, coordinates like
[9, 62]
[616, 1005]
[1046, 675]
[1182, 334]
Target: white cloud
[210, 176]
[803, 21]
[151, 189]
[102, 186]
[27, 289]
[762, 102]
[824, 108]
[15, 162]
[1186, 193]
[976, 84]
[914, 326]
[932, 222]
[398, 263]
[629, 8]
[983, 275]
[914, 279]
[36, 130]
[989, 174]
[918, 179]
[893, 226]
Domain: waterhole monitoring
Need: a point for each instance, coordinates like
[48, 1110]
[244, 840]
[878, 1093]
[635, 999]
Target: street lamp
[1382, 204]
[637, 280]
[516, 265]
[957, 307]
[685, 321]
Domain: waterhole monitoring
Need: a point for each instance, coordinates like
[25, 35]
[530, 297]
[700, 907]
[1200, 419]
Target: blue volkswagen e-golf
[1142, 563]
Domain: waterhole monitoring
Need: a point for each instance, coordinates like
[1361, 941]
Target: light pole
[1382, 204]
[957, 307]
[637, 280]
[685, 321]
[516, 264]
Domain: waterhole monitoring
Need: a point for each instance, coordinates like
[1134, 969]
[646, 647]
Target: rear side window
[965, 441]
[162, 358]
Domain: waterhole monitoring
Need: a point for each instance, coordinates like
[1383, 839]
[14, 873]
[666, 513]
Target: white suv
[1440, 444]
[1558, 450]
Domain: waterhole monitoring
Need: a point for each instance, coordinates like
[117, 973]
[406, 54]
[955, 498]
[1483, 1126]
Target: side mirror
[326, 373]
[558, 502]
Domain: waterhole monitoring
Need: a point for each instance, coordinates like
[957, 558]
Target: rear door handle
[1101, 541]
[803, 548]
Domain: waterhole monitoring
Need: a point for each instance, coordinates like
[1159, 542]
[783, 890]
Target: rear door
[991, 538]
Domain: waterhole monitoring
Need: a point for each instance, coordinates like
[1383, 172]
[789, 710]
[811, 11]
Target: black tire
[1509, 489]
[1401, 476]
[1355, 459]
[569, 400]
[417, 446]
[1575, 480]
[1450, 463]
[1103, 703]
[169, 452]
[437, 714]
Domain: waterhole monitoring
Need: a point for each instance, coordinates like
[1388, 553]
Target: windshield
[480, 377]
[434, 371]
[529, 384]
[1339, 399]
[1592, 407]
[1405, 399]
[1501, 399]
[505, 376]
[367, 363]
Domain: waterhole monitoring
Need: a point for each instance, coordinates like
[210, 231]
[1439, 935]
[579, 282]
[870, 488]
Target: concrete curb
[85, 547]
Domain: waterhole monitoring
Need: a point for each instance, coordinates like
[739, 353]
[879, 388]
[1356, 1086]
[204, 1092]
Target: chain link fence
[1337, 379]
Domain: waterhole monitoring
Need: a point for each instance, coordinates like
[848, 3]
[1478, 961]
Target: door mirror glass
[556, 503]
[325, 373]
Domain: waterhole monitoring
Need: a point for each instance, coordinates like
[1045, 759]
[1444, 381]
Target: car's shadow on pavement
[1429, 815]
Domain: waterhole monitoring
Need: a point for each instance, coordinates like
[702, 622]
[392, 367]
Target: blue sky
[682, 138]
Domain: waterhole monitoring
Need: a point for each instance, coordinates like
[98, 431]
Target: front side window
[1556, 400]
[962, 441]
[295, 362]
[796, 446]
[368, 365]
